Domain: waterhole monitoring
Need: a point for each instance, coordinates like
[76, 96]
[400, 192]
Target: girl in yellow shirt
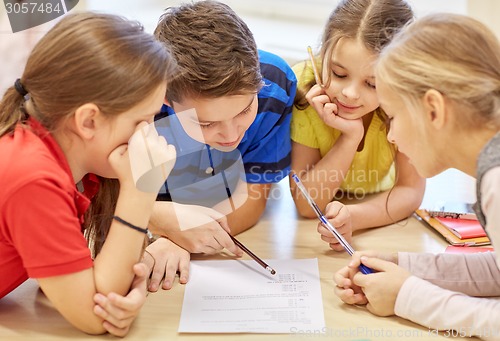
[338, 131]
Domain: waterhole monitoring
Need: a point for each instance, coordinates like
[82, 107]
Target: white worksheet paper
[239, 296]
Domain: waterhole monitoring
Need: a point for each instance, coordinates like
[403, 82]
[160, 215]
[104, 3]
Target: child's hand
[382, 287]
[328, 112]
[339, 216]
[323, 105]
[201, 230]
[147, 159]
[118, 312]
[168, 259]
[345, 289]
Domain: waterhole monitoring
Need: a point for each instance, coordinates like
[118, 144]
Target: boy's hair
[372, 22]
[453, 54]
[88, 58]
[214, 49]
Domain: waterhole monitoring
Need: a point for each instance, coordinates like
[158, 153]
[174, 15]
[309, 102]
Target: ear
[435, 108]
[86, 120]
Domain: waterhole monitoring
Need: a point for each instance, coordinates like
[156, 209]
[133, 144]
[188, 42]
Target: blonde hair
[453, 54]
[372, 22]
[87, 57]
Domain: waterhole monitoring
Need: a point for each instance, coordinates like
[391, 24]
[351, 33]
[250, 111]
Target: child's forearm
[123, 246]
[248, 214]
[323, 179]
[379, 211]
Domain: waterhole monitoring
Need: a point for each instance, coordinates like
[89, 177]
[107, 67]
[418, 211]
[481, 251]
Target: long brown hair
[88, 57]
[372, 22]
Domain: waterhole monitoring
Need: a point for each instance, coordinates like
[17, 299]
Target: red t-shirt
[41, 210]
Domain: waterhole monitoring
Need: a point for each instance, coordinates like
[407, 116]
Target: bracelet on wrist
[134, 227]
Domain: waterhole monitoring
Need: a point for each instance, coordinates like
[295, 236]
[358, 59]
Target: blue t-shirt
[203, 175]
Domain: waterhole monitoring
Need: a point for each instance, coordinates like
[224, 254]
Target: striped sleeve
[266, 147]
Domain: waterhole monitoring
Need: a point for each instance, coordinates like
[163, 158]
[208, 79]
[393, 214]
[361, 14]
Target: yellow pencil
[315, 69]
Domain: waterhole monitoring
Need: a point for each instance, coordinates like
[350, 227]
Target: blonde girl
[439, 83]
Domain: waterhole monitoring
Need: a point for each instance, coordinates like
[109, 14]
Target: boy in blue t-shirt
[228, 114]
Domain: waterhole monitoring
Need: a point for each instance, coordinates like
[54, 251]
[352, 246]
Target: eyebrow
[343, 67]
[337, 64]
[248, 106]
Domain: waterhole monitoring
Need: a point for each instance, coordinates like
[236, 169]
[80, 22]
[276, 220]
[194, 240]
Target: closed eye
[207, 125]
[338, 76]
[245, 111]
[371, 85]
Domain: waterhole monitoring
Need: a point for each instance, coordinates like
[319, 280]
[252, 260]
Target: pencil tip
[271, 270]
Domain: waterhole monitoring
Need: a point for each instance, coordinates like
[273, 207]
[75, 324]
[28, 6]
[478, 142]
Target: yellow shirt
[372, 169]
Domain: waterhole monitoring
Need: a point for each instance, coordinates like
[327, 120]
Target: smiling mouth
[228, 144]
[348, 107]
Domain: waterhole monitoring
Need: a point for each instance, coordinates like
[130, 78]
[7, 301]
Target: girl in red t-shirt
[89, 84]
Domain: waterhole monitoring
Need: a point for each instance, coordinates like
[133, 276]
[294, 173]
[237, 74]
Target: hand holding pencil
[254, 257]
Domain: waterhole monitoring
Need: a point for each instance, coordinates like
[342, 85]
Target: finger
[127, 305]
[113, 330]
[355, 260]
[341, 278]
[226, 241]
[109, 308]
[170, 271]
[319, 101]
[224, 224]
[141, 269]
[329, 239]
[315, 91]
[149, 261]
[337, 247]
[333, 209]
[324, 231]
[348, 296]
[330, 110]
[377, 264]
[157, 276]
[209, 250]
[115, 321]
[120, 150]
[141, 272]
[184, 270]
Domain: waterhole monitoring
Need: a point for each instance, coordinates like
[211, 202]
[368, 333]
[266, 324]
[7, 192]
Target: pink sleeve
[490, 200]
[474, 274]
[438, 295]
[439, 309]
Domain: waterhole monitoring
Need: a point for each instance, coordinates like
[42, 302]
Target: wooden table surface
[25, 314]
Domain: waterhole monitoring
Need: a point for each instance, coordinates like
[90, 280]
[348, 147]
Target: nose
[229, 131]
[351, 91]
